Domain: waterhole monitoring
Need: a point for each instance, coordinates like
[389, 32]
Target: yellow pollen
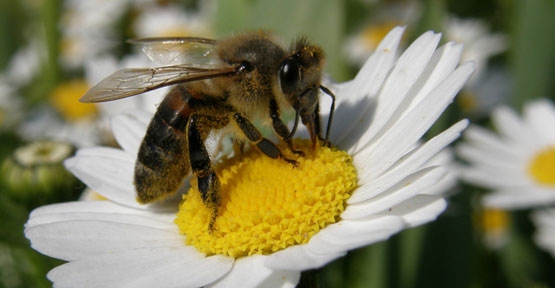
[542, 166]
[65, 98]
[268, 204]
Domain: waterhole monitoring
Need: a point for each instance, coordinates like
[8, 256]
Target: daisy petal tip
[469, 67]
[461, 126]
[70, 163]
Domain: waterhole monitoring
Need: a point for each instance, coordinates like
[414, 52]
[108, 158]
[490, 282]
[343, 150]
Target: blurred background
[52, 51]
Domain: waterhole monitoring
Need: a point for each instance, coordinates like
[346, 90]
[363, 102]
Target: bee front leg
[280, 127]
[208, 183]
[265, 145]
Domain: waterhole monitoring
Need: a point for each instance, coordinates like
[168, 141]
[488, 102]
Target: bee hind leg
[208, 183]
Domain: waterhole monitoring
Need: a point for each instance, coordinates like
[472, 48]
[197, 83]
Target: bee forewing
[129, 82]
[196, 52]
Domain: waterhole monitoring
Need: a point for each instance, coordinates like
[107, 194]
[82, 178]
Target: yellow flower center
[542, 166]
[372, 35]
[467, 101]
[493, 220]
[65, 98]
[269, 204]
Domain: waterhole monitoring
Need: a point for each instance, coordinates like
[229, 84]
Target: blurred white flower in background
[518, 162]
[170, 20]
[482, 95]
[360, 45]
[87, 29]
[544, 237]
[479, 43]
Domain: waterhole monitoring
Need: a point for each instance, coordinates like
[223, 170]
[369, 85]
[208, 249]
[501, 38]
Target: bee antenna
[294, 125]
[332, 109]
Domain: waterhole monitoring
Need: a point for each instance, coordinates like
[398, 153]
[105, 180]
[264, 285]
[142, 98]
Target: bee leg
[265, 145]
[281, 129]
[238, 147]
[208, 183]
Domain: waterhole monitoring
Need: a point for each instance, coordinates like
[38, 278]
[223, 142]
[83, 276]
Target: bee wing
[129, 82]
[181, 50]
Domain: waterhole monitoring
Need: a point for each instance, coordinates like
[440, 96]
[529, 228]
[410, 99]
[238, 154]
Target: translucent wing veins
[129, 82]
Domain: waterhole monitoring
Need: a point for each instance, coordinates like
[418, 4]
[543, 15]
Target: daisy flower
[171, 20]
[480, 44]
[482, 95]
[64, 118]
[489, 86]
[544, 221]
[81, 124]
[493, 226]
[366, 39]
[277, 221]
[87, 29]
[518, 163]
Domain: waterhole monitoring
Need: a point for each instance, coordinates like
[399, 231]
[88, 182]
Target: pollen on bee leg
[267, 204]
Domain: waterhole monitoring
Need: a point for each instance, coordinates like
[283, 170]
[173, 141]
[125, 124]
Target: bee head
[300, 75]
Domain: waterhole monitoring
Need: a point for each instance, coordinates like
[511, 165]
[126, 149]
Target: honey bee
[217, 85]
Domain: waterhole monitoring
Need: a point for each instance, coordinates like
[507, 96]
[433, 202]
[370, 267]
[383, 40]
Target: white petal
[443, 62]
[81, 206]
[540, 115]
[447, 186]
[417, 183]
[368, 191]
[408, 130]
[519, 198]
[107, 171]
[129, 130]
[79, 239]
[407, 165]
[350, 234]
[490, 142]
[300, 257]
[100, 211]
[252, 272]
[512, 128]
[362, 90]
[399, 82]
[388, 45]
[151, 267]
[485, 159]
[494, 178]
[283, 279]
[419, 210]
[544, 221]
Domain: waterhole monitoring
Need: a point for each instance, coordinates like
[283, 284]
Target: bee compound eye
[289, 75]
[245, 67]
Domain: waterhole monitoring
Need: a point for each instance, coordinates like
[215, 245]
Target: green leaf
[533, 50]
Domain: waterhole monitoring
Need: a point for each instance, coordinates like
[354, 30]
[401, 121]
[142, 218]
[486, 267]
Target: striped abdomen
[163, 161]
